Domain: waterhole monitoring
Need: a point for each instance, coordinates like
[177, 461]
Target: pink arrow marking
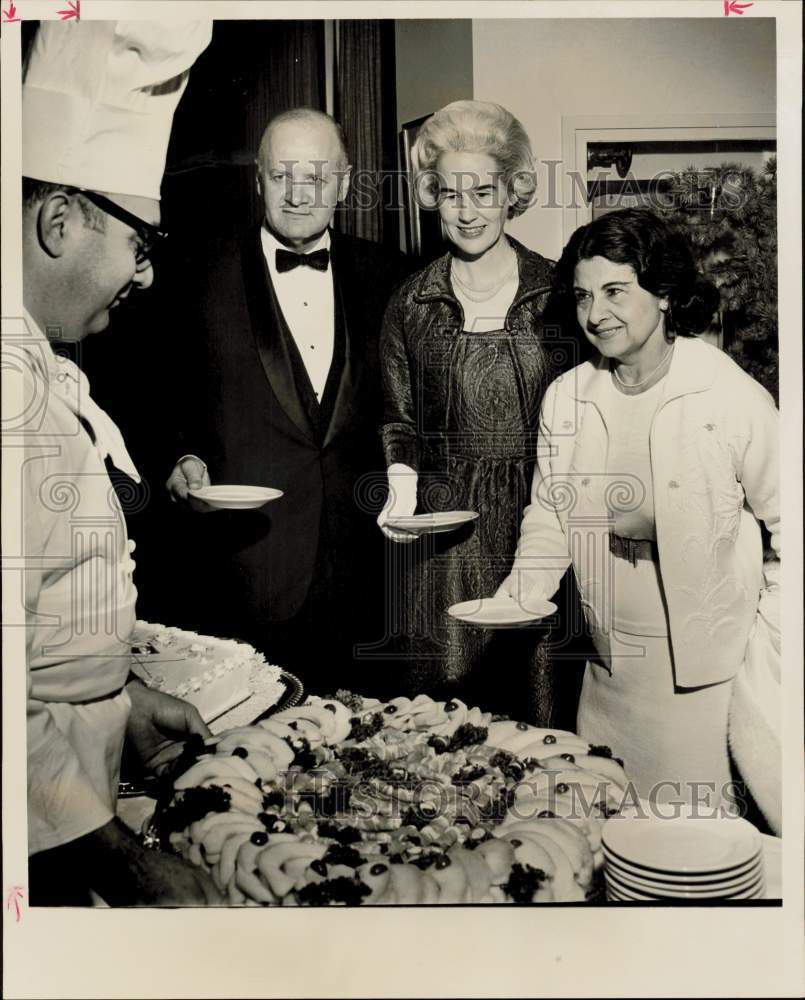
[74, 11]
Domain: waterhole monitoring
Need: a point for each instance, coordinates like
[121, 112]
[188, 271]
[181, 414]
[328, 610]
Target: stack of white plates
[682, 859]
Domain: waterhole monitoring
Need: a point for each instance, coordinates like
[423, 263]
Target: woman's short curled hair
[661, 257]
[477, 127]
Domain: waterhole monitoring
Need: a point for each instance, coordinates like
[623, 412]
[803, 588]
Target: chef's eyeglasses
[149, 236]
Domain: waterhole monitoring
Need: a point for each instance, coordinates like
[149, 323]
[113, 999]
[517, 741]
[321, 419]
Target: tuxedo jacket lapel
[346, 295]
[267, 323]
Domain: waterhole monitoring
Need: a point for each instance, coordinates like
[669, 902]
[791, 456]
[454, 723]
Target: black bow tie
[287, 260]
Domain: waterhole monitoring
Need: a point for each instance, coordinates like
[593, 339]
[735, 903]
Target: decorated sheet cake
[215, 675]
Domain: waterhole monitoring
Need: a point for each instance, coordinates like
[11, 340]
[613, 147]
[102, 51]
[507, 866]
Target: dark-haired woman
[659, 458]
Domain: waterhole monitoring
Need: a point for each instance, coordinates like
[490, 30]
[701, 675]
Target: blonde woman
[465, 365]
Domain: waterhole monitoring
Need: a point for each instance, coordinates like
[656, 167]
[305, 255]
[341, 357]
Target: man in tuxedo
[284, 391]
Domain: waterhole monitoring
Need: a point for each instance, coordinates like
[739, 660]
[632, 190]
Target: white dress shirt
[307, 301]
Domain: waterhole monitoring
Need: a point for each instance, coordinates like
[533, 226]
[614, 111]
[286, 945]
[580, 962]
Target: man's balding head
[302, 174]
[305, 117]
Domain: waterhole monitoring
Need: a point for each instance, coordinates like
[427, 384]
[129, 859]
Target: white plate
[236, 497]
[432, 524]
[699, 877]
[682, 844]
[685, 888]
[751, 883]
[754, 891]
[497, 612]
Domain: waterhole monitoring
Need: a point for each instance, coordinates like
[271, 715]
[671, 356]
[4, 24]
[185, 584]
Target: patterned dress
[462, 409]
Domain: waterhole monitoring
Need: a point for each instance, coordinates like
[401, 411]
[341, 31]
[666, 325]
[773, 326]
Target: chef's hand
[158, 723]
[401, 501]
[124, 873]
[189, 473]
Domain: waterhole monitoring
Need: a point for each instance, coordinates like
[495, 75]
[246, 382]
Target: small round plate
[727, 888]
[682, 844]
[500, 612]
[432, 524]
[671, 879]
[236, 497]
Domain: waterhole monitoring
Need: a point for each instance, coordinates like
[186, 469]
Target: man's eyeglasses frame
[150, 236]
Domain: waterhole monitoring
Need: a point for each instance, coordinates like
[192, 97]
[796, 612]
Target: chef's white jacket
[79, 598]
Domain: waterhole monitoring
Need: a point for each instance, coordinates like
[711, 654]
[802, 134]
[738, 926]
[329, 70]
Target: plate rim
[752, 879]
[624, 823]
[265, 494]
[461, 515]
[695, 870]
[522, 620]
[679, 874]
[758, 886]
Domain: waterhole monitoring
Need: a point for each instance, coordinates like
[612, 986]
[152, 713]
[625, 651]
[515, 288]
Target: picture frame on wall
[422, 226]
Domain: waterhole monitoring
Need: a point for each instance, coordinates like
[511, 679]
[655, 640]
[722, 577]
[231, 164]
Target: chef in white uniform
[98, 103]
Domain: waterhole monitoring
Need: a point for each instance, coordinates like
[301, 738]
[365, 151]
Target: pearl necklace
[651, 374]
[483, 294]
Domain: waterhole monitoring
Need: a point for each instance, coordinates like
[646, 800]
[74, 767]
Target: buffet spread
[347, 800]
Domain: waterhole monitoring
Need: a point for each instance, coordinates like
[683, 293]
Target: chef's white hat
[98, 101]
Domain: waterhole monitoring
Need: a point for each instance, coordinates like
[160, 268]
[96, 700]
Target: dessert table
[349, 800]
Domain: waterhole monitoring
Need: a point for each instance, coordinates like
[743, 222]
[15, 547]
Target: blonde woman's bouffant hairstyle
[477, 127]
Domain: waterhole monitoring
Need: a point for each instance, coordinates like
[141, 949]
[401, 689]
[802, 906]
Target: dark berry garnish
[259, 838]
[516, 843]
[466, 735]
[443, 861]
[330, 708]
[451, 706]
[569, 758]
[562, 788]
[524, 881]
[240, 752]
[335, 890]
[522, 726]
[338, 854]
[390, 709]
[546, 814]
[378, 869]
[361, 731]
[550, 738]
[319, 866]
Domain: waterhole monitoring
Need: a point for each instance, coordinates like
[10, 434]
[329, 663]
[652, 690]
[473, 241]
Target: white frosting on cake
[212, 674]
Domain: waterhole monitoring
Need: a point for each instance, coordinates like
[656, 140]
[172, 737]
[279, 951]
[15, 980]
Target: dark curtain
[365, 106]
[251, 71]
